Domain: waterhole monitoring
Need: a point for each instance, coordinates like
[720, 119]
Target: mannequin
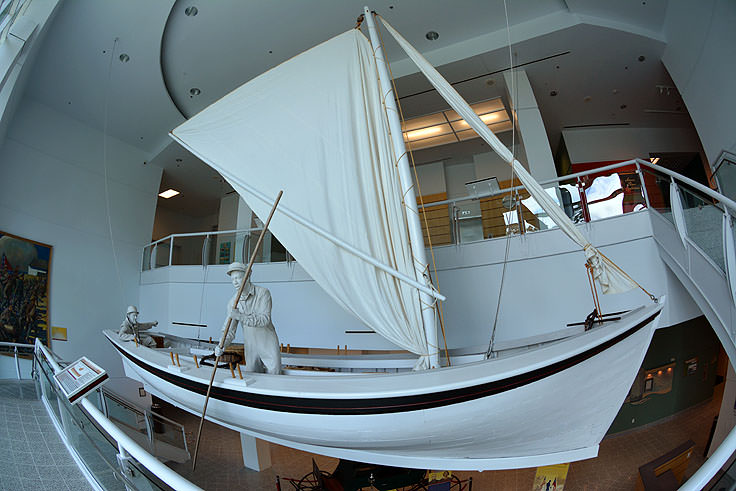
[253, 312]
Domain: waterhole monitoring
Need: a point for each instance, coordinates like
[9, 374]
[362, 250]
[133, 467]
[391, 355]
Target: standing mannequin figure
[253, 312]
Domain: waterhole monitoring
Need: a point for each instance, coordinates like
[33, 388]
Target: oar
[229, 321]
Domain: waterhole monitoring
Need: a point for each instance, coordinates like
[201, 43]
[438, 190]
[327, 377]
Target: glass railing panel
[97, 452]
[456, 223]
[658, 190]
[169, 438]
[188, 250]
[45, 378]
[501, 214]
[161, 254]
[124, 415]
[222, 248]
[613, 193]
[704, 222]
[147, 252]
[535, 218]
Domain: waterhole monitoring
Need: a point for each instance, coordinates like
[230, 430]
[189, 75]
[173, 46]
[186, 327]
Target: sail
[315, 128]
[611, 278]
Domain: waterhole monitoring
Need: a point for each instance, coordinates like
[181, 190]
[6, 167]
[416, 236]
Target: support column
[531, 127]
[256, 453]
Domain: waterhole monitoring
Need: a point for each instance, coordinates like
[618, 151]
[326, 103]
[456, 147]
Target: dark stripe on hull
[386, 404]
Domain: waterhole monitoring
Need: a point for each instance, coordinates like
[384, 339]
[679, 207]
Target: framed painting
[24, 289]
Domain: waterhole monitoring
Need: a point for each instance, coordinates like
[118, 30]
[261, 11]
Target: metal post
[583, 200]
[643, 185]
[171, 249]
[416, 237]
[17, 363]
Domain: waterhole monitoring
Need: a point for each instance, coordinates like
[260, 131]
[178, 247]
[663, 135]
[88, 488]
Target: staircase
[691, 232]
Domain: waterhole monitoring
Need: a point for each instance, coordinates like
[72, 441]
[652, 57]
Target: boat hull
[548, 405]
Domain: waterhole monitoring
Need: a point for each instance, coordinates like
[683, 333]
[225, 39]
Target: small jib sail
[315, 127]
[610, 277]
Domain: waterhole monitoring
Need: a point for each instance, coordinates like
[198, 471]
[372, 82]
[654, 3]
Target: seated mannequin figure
[253, 312]
[131, 326]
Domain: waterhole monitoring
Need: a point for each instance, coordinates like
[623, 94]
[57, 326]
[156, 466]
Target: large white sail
[610, 277]
[315, 127]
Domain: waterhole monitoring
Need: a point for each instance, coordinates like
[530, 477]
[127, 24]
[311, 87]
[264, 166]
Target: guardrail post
[171, 249]
[643, 184]
[583, 200]
[17, 363]
[205, 249]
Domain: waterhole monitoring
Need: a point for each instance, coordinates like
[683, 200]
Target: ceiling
[129, 67]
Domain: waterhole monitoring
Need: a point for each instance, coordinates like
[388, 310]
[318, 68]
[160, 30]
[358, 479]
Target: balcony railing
[112, 440]
[592, 195]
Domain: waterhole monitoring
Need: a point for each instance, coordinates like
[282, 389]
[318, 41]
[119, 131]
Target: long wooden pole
[229, 321]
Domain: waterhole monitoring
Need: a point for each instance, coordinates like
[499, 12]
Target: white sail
[315, 127]
[611, 278]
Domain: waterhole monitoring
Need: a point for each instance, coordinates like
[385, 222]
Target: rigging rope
[425, 267]
[512, 199]
[104, 164]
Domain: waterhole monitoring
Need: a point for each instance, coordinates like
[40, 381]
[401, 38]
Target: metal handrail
[204, 234]
[15, 347]
[703, 189]
[126, 443]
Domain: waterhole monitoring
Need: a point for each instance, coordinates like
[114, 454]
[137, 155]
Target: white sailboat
[322, 127]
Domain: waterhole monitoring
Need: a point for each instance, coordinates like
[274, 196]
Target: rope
[511, 193]
[594, 290]
[410, 153]
[104, 164]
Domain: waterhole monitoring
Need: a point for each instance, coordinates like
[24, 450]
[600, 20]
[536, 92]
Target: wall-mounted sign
[58, 333]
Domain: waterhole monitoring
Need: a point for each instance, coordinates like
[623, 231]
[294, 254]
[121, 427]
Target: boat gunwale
[403, 398]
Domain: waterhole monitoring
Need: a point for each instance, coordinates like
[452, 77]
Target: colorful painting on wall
[24, 289]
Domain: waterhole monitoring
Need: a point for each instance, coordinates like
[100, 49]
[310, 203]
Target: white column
[256, 452]
[531, 127]
[416, 237]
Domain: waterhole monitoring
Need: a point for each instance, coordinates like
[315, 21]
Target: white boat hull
[547, 405]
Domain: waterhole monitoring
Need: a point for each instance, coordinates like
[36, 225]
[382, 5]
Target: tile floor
[34, 457]
[32, 454]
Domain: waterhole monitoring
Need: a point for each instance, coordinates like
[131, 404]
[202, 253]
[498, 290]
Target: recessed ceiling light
[124, 58]
[490, 82]
[552, 93]
[191, 11]
[194, 91]
[587, 98]
[642, 58]
[169, 193]
[432, 35]
[179, 160]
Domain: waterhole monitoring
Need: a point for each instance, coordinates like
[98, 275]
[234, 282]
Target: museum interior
[413, 245]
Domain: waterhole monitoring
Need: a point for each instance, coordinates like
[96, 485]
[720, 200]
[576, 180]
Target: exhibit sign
[79, 378]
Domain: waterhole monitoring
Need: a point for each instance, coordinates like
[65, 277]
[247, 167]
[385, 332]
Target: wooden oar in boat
[229, 322]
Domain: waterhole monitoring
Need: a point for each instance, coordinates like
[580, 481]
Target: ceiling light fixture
[124, 58]
[654, 160]
[191, 11]
[169, 193]
[194, 91]
[448, 127]
[432, 35]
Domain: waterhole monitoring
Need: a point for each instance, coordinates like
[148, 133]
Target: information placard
[79, 378]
